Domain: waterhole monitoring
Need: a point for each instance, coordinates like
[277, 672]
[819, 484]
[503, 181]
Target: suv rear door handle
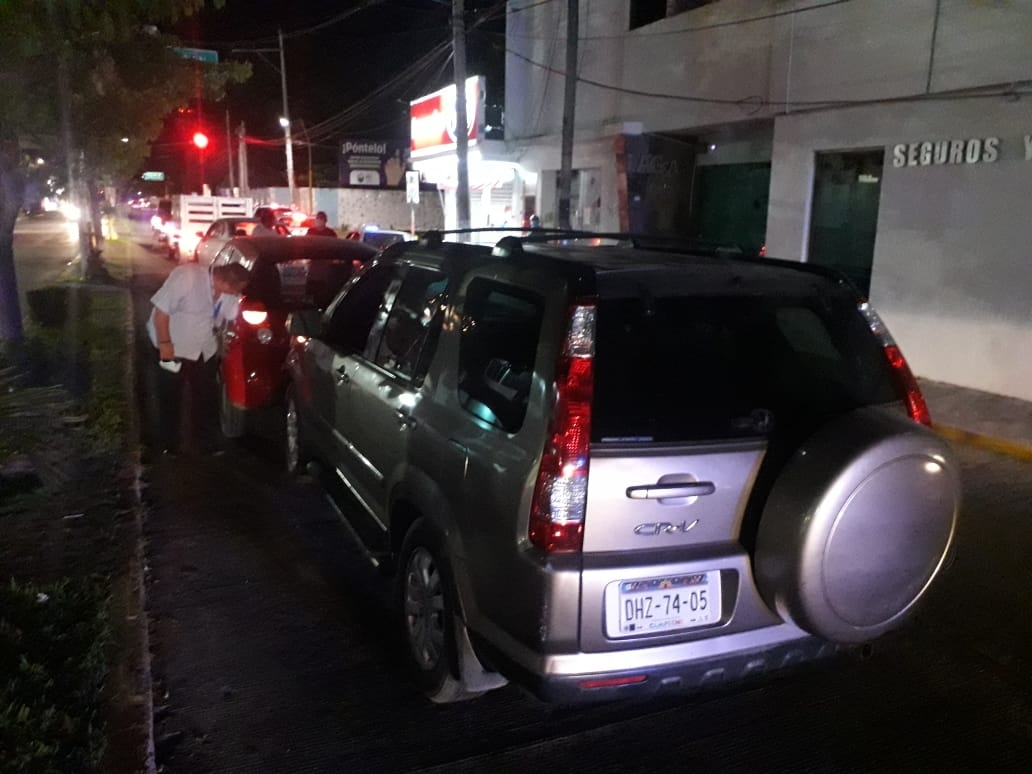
[405, 420]
[664, 491]
[342, 375]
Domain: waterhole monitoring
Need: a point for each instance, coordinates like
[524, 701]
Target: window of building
[648, 11]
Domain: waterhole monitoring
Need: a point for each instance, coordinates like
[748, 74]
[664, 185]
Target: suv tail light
[560, 493]
[912, 397]
[253, 312]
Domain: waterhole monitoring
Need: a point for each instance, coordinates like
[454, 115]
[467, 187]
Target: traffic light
[200, 139]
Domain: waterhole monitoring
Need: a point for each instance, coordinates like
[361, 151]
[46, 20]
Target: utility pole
[569, 107]
[229, 155]
[286, 122]
[242, 157]
[461, 130]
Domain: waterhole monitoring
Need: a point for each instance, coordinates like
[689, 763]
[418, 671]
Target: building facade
[890, 140]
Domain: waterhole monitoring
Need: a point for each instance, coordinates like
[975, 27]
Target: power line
[326, 128]
[757, 102]
[271, 40]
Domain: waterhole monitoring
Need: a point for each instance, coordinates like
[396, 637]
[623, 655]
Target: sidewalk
[984, 419]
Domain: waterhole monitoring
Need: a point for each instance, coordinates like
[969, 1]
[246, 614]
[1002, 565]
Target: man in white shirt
[188, 308]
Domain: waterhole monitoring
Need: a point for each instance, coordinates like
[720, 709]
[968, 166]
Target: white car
[218, 233]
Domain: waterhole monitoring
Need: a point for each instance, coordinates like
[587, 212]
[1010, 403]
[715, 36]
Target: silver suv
[602, 471]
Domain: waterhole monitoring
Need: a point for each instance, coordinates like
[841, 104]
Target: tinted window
[712, 368]
[300, 284]
[500, 330]
[413, 324]
[349, 325]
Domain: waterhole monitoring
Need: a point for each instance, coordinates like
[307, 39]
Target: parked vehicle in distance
[287, 275]
[379, 238]
[615, 470]
[220, 232]
[293, 221]
[191, 217]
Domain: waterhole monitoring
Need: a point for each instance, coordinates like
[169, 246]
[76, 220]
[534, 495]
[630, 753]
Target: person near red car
[187, 308]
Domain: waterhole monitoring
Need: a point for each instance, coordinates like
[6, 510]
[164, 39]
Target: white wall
[952, 272]
[862, 49]
[352, 207]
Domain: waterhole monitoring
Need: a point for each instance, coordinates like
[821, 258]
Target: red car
[287, 275]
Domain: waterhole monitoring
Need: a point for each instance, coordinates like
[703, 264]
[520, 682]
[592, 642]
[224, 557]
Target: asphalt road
[273, 652]
[44, 246]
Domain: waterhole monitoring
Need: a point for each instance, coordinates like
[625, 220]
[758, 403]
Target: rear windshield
[709, 368]
[300, 284]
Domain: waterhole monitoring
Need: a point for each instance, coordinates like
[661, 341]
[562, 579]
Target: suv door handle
[664, 491]
[405, 420]
[342, 375]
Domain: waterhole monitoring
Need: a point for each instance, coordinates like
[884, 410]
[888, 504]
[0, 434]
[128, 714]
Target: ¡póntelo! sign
[975, 150]
[373, 163]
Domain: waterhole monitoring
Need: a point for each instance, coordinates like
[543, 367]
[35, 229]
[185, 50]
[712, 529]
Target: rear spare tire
[857, 525]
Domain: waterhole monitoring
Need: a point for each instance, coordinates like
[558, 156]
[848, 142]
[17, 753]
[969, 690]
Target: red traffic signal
[200, 139]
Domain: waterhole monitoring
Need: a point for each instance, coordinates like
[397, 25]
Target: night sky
[338, 75]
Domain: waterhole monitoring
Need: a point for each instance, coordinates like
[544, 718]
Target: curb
[138, 568]
[1021, 451]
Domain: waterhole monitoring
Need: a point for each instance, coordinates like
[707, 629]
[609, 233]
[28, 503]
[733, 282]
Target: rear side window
[501, 326]
[709, 368]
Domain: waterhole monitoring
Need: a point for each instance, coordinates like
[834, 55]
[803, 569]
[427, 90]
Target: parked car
[378, 237]
[287, 218]
[220, 232]
[610, 471]
[287, 275]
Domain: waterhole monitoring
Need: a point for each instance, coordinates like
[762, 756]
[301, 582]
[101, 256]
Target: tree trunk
[11, 189]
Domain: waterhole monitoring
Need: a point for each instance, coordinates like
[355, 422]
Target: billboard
[373, 163]
[433, 120]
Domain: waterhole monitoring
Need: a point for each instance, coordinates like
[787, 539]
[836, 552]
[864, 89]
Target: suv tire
[423, 602]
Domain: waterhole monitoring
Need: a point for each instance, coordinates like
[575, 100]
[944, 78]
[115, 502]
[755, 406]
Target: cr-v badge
[652, 528]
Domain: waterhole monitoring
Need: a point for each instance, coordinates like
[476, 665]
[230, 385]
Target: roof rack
[514, 238]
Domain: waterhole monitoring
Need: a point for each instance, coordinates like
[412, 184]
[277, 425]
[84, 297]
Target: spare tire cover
[857, 525]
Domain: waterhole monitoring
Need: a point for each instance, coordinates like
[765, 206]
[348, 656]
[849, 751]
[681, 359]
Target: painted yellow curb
[1000, 445]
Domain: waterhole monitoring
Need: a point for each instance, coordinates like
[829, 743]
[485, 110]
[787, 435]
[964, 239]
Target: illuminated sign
[433, 118]
[153, 176]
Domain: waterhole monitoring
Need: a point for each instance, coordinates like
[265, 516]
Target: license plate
[661, 605]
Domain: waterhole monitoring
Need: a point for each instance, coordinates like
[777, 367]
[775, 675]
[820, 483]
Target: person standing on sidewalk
[188, 308]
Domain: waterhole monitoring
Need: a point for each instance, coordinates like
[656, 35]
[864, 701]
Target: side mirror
[240, 232]
[305, 322]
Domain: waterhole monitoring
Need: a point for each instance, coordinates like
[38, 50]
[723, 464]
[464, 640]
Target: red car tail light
[560, 493]
[915, 403]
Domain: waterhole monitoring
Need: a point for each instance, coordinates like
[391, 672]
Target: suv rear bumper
[684, 677]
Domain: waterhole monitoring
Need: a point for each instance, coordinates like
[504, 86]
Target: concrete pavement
[983, 419]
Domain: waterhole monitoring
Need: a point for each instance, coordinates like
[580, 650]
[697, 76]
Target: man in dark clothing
[320, 228]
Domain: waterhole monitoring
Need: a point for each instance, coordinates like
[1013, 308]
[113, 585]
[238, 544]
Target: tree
[88, 83]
